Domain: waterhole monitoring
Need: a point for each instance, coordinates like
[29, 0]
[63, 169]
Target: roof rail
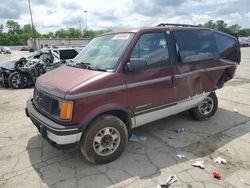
[177, 25]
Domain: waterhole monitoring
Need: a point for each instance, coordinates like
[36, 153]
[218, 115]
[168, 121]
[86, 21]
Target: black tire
[90, 147]
[17, 80]
[206, 109]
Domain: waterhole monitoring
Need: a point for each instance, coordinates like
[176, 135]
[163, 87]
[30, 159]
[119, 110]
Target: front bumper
[1, 78]
[50, 130]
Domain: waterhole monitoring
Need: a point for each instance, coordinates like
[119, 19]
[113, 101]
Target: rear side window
[153, 48]
[195, 45]
[227, 46]
[68, 54]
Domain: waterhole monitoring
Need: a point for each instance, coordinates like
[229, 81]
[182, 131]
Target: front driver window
[152, 47]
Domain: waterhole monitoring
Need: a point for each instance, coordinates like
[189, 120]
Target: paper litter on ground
[180, 155]
[220, 160]
[199, 164]
[138, 139]
[171, 179]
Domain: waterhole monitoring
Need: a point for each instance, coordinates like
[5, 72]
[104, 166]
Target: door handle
[173, 80]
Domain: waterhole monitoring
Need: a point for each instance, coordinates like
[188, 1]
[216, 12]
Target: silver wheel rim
[16, 80]
[106, 141]
[206, 106]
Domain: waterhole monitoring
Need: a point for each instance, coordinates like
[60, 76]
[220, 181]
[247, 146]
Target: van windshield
[104, 52]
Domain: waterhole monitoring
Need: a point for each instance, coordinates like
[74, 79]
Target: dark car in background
[23, 72]
[27, 48]
[125, 79]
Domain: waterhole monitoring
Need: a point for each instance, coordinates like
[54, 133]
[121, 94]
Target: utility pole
[32, 25]
[86, 21]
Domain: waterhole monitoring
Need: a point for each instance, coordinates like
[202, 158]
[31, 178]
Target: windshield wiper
[97, 69]
[87, 66]
[83, 65]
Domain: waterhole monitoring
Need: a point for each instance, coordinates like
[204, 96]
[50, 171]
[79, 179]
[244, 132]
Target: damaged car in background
[23, 72]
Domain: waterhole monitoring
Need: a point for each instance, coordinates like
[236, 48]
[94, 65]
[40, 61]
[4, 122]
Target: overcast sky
[50, 15]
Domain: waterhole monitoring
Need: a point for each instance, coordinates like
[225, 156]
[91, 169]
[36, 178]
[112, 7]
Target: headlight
[66, 109]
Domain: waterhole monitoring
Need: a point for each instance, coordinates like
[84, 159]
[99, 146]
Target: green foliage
[1, 28]
[17, 35]
[220, 25]
[210, 24]
[13, 27]
[76, 33]
[244, 32]
[234, 28]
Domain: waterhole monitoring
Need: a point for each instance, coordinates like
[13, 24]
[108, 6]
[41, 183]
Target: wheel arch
[124, 115]
[227, 75]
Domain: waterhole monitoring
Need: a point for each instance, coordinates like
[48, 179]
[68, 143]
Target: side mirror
[136, 64]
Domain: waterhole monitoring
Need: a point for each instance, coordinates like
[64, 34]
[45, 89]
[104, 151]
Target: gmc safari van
[125, 79]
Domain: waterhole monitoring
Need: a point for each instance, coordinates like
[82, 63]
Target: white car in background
[5, 50]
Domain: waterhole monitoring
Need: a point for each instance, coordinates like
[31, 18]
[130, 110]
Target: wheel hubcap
[106, 141]
[206, 106]
[16, 80]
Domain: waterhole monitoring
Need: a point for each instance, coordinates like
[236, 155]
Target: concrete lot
[26, 160]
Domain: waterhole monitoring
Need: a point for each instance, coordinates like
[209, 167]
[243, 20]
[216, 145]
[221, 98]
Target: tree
[244, 33]
[210, 24]
[221, 26]
[13, 27]
[73, 33]
[234, 28]
[27, 28]
[50, 35]
[1, 28]
[61, 33]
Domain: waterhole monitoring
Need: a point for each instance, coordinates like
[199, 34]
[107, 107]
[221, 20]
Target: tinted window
[227, 47]
[68, 54]
[195, 45]
[153, 48]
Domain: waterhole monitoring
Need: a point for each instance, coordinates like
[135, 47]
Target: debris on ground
[171, 179]
[179, 130]
[138, 139]
[220, 160]
[216, 175]
[199, 164]
[235, 110]
[180, 155]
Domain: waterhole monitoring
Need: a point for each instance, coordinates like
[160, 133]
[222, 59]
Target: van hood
[61, 80]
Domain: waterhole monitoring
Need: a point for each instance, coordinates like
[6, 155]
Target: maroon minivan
[125, 79]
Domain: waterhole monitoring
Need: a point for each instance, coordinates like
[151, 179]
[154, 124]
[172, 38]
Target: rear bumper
[59, 134]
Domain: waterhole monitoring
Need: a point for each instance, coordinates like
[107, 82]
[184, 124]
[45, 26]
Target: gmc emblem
[38, 99]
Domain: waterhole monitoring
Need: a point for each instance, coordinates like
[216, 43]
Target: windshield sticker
[121, 37]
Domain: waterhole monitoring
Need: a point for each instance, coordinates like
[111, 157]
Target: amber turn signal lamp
[66, 110]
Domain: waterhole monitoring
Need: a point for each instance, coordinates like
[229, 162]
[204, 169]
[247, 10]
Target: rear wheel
[104, 140]
[17, 80]
[206, 108]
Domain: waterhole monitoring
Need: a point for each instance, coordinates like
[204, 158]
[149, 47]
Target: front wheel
[206, 108]
[17, 80]
[104, 140]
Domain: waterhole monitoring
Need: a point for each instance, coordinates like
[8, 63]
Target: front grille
[45, 103]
